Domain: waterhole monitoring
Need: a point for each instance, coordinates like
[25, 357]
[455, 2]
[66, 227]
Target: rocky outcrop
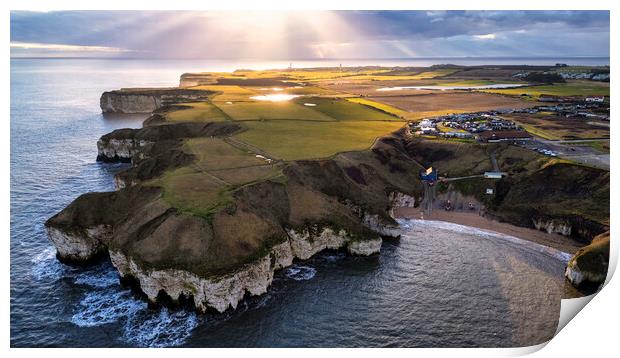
[553, 226]
[120, 102]
[80, 246]
[121, 150]
[588, 267]
[375, 223]
[226, 291]
[309, 241]
[148, 100]
[401, 200]
[365, 248]
[133, 145]
[219, 293]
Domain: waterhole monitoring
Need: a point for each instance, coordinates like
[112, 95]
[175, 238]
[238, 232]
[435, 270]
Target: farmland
[575, 88]
[451, 102]
[294, 140]
[197, 112]
[554, 127]
[259, 110]
[301, 114]
[219, 167]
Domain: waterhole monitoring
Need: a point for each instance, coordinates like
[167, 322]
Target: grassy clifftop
[266, 151]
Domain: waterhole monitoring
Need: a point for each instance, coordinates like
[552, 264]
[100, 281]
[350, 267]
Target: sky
[273, 35]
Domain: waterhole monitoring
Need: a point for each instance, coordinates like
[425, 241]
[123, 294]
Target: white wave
[46, 266]
[98, 279]
[161, 329]
[408, 224]
[104, 307]
[300, 273]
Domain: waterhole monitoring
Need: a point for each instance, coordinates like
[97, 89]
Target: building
[493, 175]
[595, 99]
[429, 175]
[503, 136]
[463, 135]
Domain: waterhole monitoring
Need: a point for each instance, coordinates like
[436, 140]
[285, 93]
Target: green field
[260, 110]
[197, 112]
[205, 185]
[229, 93]
[341, 109]
[578, 88]
[293, 140]
[434, 73]
[215, 154]
[380, 106]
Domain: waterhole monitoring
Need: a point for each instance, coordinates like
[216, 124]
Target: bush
[543, 77]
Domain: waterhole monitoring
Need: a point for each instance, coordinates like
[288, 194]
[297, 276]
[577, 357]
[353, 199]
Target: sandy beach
[472, 219]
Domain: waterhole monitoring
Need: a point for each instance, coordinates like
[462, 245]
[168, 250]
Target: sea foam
[300, 273]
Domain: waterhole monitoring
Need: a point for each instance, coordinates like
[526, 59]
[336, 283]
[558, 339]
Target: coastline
[474, 220]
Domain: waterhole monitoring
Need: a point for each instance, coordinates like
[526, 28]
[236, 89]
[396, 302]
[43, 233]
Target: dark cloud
[349, 34]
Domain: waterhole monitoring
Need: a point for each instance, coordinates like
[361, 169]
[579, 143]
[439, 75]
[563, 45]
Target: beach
[473, 219]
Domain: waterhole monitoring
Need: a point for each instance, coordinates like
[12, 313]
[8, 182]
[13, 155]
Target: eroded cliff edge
[215, 257]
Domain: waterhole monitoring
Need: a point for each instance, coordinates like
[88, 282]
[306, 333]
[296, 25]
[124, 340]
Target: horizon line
[311, 58]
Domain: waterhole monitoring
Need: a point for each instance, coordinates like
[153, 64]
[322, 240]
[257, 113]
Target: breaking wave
[300, 273]
[108, 278]
[140, 326]
[47, 267]
[160, 329]
[104, 307]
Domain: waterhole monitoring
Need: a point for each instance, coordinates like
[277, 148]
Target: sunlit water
[439, 285]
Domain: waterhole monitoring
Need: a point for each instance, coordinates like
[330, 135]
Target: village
[493, 127]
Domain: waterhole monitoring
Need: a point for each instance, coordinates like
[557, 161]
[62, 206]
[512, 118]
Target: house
[595, 99]
[429, 175]
[503, 136]
[457, 135]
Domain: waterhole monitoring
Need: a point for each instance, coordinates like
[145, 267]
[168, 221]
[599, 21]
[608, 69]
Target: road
[429, 198]
[494, 160]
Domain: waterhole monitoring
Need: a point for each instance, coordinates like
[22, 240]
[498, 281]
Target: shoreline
[474, 220]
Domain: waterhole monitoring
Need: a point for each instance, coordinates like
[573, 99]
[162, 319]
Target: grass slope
[294, 140]
[197, 112]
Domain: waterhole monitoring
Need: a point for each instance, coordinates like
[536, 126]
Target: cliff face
[536, 192]
[215, 260]
[588, 267]
[147, 100]
[227, 290]
[127, 145]
[570, 200]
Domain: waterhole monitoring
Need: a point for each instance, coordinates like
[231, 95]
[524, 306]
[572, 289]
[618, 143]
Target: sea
[440, 285]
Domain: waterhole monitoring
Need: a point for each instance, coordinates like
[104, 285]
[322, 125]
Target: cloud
[62, 47]
[333, 34]
[485, 37]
